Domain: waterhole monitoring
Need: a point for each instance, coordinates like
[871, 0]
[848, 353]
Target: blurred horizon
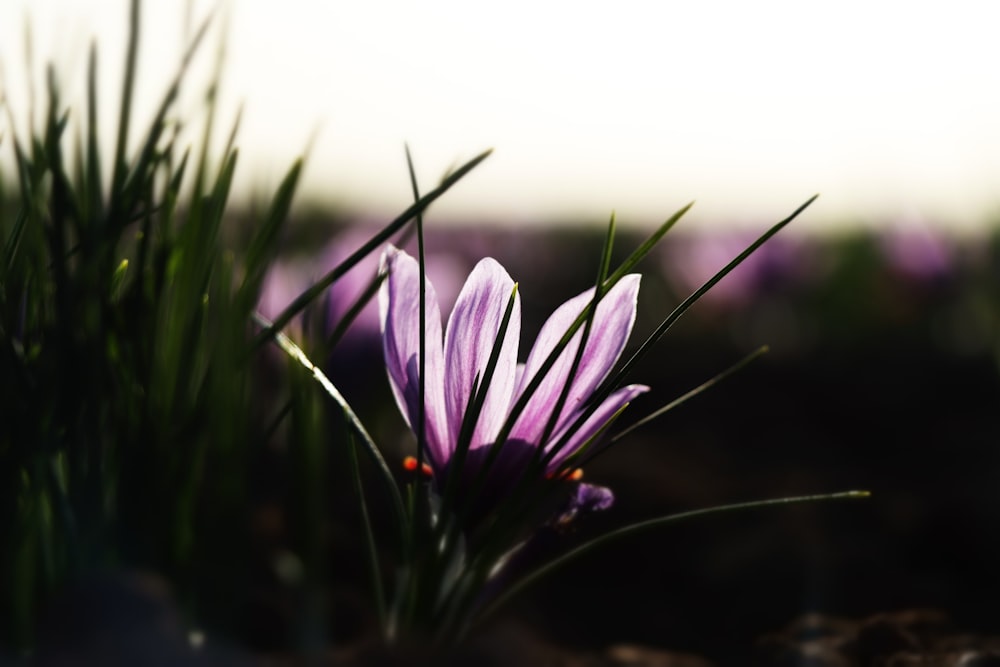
[888, 111]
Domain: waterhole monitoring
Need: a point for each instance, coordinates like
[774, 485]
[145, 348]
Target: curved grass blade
[615, 380]
[294, 351]
[633, 259]
[262, 246]
[312, 292]
[599, 291]
[684, 398]
[650, 524]
[352, 313]
[378, 589]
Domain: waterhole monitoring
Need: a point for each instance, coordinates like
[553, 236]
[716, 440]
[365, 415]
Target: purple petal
[518, 375]
[472, 331]
[586, 499]
[594, 423]
[399, 316]
[592, 498]
[611, 328]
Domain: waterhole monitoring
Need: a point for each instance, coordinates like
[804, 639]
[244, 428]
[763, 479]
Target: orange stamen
[572, 475]
[410, 465]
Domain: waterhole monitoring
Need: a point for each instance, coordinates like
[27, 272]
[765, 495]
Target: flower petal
[587, 498]
[608, 336]
[611, 405]
[399, 317]
[592, 498]
[469, 339]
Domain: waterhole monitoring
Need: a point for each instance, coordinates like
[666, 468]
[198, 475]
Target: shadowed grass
[124, 340]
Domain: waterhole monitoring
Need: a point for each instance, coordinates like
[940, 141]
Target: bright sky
[888, 108]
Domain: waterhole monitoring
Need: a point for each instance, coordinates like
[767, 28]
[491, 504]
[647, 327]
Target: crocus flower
[455, 360]
[915, 250]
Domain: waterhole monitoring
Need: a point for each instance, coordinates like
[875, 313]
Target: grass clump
[124, 348]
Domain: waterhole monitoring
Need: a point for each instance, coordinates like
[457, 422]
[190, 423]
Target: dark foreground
[876, 380]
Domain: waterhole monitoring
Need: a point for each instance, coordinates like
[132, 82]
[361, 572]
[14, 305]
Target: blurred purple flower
[916, 251]
[453, 367]
[284, 281]
[690, 261]
[288, 279]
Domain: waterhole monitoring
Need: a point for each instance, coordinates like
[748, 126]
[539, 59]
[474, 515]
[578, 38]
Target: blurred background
[881, 304]
[887, 109]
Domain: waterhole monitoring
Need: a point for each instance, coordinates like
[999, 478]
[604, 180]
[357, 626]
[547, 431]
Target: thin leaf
[690, 301]
[262, 247]
[13, 241]
[294, 351]
[650, 524]
[639, 253]
[147, 154]
[128, 86]
[602, 274]
[352, 313]
[477, 399]
[92, 180]
[550, 361]
[684, 398]
[420, 426]
[378, 589]
[304, 299]
[615, 380]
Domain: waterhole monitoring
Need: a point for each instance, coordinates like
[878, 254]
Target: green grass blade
[132, 182]
[13, 241]
[617, 378]
[262, 246]
[128, 87]
[634, 258]
[92, 179]
[307, 297]
[421, 426]
[650, 524]
[684, 398]
[602, 274]
[646, 246]
[294, 351]
[352, 313]
[378, 588]
[477, 399]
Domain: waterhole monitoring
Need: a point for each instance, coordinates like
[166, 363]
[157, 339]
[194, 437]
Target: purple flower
[456, 359]
[781, 262]
[915, 250]
[287, 279]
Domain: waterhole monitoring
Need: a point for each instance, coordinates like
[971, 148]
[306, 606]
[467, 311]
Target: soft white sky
[889, 109]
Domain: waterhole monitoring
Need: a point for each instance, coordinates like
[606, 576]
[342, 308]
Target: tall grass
[134, 423]
[124, 345]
